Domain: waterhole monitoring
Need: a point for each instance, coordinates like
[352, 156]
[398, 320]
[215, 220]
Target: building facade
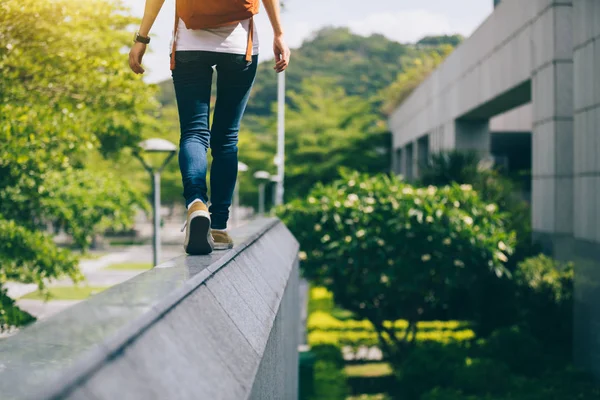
[532, 66]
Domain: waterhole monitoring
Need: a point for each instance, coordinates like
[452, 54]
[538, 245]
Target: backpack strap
[174, 40]
[250, 40]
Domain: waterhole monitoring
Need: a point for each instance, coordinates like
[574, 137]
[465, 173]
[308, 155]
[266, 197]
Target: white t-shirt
[231, 39]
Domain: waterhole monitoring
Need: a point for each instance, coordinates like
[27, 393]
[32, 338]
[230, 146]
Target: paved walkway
[96, 274]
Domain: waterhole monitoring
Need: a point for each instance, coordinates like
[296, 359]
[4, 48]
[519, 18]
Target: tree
[412, 76]
[390, 251]
[452, 40]
[326, 130]
[66, 97]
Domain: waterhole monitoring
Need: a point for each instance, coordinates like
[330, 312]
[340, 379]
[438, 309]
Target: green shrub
[429, 365]
[516, 348]
[330, 382]
[447, 394]
[545, 302]
[390, 251]
[320, 299]
[330, 353]
[564, 384]
[447, 167]
[496, 306]
[482, 376]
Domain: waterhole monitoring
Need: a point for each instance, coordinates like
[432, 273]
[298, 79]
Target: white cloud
[403, 26]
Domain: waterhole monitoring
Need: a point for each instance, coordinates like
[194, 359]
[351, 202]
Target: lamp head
[262, 175]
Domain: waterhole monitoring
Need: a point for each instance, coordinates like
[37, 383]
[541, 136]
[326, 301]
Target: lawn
[92, 256]
[368, 370]
[330, 327]
[66, 293]
[130, 267]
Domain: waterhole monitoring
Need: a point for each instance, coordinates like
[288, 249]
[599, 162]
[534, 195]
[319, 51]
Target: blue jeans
[192, 78]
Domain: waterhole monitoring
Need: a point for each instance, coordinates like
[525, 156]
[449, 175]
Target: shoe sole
[199, 240]
[226, 246]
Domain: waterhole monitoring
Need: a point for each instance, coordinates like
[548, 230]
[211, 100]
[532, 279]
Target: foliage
[10, 315]
[325, 130]
[468, 168]
[452, 40]
[66, 98]
[526, 356]
[510, 364]
[330, 382]
[380, 396]
[328, 352]
[389, 251]
[445, 167]
[360, 65]
[66, 293]
[369, 370]
[545, 302]
[411, 77]
[428, 365]
[440, 372]
[324, 321]
[366, 338]
[559, 385]
[130, 266]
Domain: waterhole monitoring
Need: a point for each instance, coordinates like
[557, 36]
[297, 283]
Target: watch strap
[141, 39]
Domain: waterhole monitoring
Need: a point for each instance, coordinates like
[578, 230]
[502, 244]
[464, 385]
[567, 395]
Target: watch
[141, 39]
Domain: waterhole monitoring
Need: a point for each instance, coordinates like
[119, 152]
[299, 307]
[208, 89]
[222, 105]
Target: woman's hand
[135, 57]
[282, 54]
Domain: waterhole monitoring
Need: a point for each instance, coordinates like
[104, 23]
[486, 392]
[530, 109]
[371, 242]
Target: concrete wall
[586, 35]
[521, 54]
[518, 119]
[224, 326]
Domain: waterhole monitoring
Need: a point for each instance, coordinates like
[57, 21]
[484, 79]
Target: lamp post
[262, 177]
[275, 182]
[280, 159]
[236, 194]
[155, 146]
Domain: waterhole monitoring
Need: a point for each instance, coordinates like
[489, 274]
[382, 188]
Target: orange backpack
[208, 14]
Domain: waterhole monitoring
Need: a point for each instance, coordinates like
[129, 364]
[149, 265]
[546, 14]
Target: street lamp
[158, 147]
[280, 159]
[236, 194]
[275, 182]
[262, 177]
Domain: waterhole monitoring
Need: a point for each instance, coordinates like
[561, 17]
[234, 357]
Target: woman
[233, 50]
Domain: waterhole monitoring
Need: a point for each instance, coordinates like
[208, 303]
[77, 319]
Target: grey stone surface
[192, 328]
[277, 377]
[586, 213]
[240, 312]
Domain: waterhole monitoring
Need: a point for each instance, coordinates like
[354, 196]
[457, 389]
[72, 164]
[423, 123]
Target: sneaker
[222, 240]
[198, 238]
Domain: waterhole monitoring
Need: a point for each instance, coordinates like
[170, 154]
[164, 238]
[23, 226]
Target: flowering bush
[390, 251]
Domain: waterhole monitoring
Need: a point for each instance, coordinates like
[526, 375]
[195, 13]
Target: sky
[401, 20]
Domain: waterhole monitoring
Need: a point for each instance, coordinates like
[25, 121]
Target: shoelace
[184, 225]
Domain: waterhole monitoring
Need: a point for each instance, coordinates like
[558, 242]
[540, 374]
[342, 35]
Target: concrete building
[532, 64]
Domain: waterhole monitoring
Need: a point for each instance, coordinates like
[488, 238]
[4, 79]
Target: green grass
[369, 370]
[92, 256]
[127, 242]
[66, 293]
[130, 266]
